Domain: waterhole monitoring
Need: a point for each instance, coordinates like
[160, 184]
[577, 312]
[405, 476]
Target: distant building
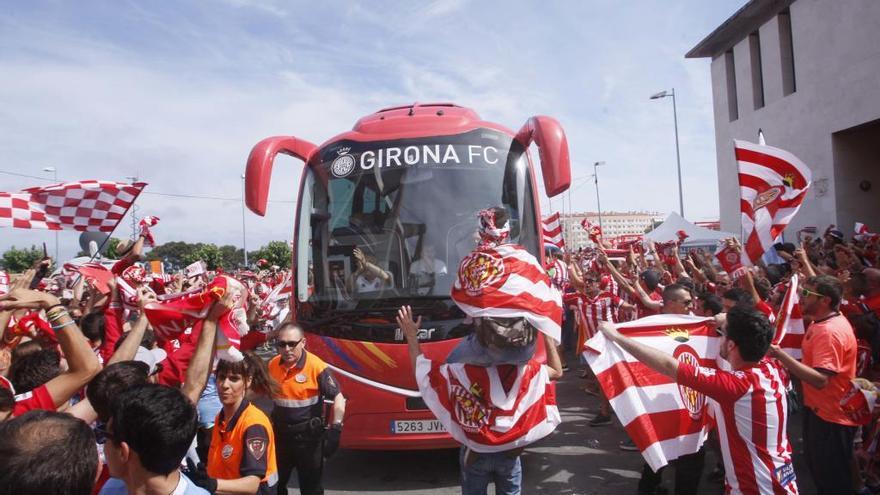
[613, 224]
[806, 73]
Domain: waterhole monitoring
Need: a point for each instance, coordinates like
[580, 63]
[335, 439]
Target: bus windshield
[387, 220]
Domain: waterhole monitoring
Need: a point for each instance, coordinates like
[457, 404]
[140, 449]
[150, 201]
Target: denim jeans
[209, 404]
[471, 351]
[500, 467]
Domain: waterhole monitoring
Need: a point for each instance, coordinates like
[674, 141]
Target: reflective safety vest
[228, 446]
[299, 398]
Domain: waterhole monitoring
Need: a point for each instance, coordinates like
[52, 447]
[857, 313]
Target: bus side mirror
[553, 150]
[259, 167]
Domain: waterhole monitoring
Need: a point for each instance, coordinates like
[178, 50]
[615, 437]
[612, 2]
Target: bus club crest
[694, 401]
[479, 270]
[343, 164]
[470, 412]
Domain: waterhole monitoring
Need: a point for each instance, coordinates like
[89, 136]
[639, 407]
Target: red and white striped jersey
[751, 413]
[603, 307]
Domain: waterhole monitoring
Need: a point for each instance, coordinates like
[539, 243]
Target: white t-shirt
[423, 265]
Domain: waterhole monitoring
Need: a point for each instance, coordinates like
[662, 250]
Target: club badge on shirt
[300, 378]
[227, 451]
[257, 447]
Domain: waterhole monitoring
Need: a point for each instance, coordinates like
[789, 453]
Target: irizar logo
[421, 334]
[343, 164]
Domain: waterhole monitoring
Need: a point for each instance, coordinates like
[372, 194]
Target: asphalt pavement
[575, 459]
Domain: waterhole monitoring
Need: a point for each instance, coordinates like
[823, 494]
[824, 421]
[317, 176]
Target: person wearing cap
[130, 252]
[301, 439]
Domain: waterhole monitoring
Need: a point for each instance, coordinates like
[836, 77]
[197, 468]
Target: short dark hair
[7, 399]
[828, 286]
[672, 289]
[34, 369]
[739, 296]
[157, 422]
[688, 283]
[712, 303]
[651, 277]
[92, 326]
[148, 340]
[751, 331]
[47, 452]
[112, 381]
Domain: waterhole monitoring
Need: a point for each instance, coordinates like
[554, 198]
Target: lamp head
[661, 94]
[49, 169]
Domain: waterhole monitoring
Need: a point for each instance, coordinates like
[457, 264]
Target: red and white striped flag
[474, 406]
[553, 231]
[773, 184]
[87, 205]
[506, 281]
[664, 419]
[790, 322]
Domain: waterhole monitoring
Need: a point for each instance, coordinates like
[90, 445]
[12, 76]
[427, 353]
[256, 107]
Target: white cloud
[179, 94]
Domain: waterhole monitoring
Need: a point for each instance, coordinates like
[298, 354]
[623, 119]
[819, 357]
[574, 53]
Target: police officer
[301, 439]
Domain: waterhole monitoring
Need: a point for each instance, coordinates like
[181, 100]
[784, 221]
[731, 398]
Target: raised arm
[655, 359]
[128, 349]
[199, 368]
[410, 329]
[82, 363]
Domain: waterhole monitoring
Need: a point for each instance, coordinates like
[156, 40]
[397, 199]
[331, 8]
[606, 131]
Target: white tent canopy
[697, 236]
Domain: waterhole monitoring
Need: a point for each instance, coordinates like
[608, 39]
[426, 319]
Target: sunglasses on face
[807, 292]
[284, 343]
[102, 434]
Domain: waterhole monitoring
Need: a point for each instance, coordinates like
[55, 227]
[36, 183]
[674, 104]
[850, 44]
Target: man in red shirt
[749, 403]
[828, 366]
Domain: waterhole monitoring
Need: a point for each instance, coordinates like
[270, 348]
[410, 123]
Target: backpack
[505, 332]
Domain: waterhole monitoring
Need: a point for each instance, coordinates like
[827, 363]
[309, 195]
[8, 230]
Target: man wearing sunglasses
[301, 440]
[828, 366]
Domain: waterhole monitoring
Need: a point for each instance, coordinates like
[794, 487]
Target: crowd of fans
[93, 401]
[839, 290]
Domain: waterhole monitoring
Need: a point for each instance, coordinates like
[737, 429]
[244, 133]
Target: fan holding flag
[755, 449]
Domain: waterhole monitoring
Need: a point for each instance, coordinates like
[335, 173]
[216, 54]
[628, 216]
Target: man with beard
[827, 367]
[748, 403]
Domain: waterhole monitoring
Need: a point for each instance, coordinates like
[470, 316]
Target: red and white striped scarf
[506, 281]
[790, 322]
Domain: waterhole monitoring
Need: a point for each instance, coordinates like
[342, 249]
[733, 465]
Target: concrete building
[806, 73]
[613, 224]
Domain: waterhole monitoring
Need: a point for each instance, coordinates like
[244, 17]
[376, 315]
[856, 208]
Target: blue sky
[178, 92]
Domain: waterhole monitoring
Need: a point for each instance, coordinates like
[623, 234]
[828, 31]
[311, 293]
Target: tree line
[175, 255]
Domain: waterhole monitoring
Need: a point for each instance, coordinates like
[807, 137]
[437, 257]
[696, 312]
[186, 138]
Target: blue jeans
[500, 467]
[209, 404]
[471, 351]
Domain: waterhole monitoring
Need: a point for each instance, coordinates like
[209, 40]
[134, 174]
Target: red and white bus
[403, 187]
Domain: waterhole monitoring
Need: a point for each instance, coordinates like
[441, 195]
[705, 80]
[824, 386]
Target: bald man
[301, 440]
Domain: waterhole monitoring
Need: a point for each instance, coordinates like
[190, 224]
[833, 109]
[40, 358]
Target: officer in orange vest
[241, 456]
[301, 438]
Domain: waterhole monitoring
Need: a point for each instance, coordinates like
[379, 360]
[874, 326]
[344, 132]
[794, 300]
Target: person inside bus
[425, 270]
[369, 276]
[241, 455]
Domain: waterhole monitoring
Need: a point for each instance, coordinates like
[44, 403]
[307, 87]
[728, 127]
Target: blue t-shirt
[115, 486]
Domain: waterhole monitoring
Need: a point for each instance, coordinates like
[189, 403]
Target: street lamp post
[596, 180]
[55, 175]
[243, 233]
[664, 94]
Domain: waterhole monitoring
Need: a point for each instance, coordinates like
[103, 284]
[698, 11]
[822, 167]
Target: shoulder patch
[257, 447]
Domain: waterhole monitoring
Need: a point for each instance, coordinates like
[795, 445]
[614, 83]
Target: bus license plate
[404, 427]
